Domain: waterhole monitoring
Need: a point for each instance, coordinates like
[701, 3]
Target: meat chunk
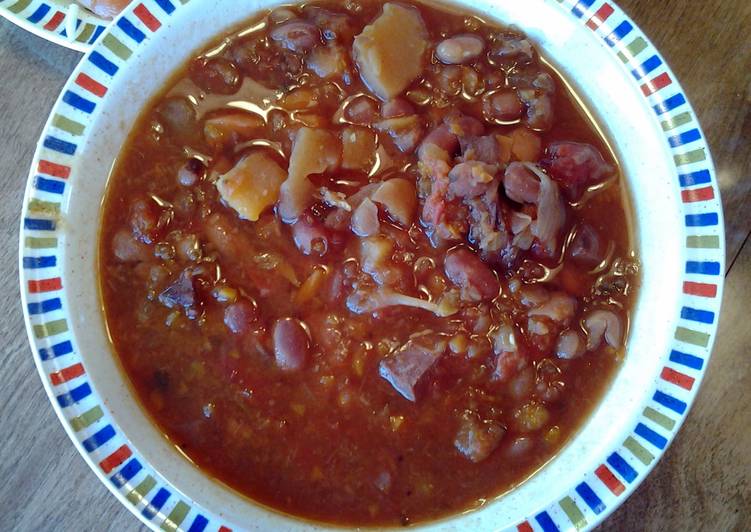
[314, 151]
[291, 344]
[577, 166]
[390, 52]
[252, 185]
[475, 278]
[405, 368]
[477, 439]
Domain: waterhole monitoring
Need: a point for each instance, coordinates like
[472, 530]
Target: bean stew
[368, 263]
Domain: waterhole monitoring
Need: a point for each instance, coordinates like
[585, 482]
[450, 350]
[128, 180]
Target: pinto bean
[475, 278]
[291, 344]
[459, 49]
[296, 35]
[570, 345]
[502, 106]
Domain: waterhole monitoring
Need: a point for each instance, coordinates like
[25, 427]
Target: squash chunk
[252, 185]
[390, 51]
[314, 151]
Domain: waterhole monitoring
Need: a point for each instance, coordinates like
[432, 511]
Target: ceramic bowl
[634, 97]
[61, 21]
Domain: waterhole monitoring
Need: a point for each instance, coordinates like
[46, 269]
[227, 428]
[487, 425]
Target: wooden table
[702, 483]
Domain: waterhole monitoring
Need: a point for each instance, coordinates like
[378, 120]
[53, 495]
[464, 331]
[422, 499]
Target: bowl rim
[588, 502]
[58, 21]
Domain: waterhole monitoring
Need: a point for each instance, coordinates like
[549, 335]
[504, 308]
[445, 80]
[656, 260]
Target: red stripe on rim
[697, 194]
[66, 374]
[115, 459]
[699, 289]
[147, 18]
[608, 478]
[45, 285]
[224, 529]
[91, 85]
[525, 527]
[53, 169]
[677, 378]
[658, 83]
[600, 16]
[55, 21]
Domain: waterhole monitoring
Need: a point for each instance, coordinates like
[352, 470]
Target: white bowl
[634, 97]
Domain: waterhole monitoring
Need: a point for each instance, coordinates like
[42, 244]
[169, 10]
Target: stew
[368, 263]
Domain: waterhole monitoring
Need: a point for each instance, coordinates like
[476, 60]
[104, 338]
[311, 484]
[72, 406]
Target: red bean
[466, 270]
[291, 344]
[238, 317]
[296, 35]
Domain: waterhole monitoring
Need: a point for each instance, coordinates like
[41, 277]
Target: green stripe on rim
[573, 512]
[676, 121]
[632, 50]
[661, 419]
[694, 156]
[114, 45]
[50, 329]
[176, 516]
[638, 450]
[692, 337]
[138, 493]
[87, 32]
[703, 241]
[44, 207]
[66, 124]
[87, 418]
[35, 242]
[19, 6]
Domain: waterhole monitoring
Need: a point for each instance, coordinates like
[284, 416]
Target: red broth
[365, 295]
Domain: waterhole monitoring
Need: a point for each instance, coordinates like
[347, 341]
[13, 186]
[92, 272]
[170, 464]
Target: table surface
[702, 482]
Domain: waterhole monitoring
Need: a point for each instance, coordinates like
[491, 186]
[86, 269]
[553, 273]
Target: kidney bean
[475, 278]
[291, 344]
[459, 49]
